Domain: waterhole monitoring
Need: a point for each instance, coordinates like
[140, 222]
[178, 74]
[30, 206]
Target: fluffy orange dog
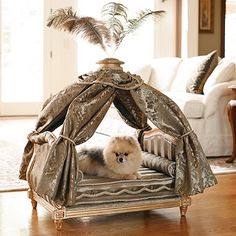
[120, 159]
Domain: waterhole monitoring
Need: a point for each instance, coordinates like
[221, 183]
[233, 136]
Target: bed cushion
[98, 190]
[158, 177]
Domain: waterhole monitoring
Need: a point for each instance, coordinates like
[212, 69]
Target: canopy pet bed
[50, 163]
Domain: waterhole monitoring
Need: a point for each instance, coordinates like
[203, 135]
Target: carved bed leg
[59, 224]
[184, 203]
[31, 197]
[58, 216]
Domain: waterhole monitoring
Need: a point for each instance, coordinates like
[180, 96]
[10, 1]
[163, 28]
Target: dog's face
[123, 155]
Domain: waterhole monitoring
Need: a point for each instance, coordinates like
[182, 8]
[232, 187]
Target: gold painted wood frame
[59, 213]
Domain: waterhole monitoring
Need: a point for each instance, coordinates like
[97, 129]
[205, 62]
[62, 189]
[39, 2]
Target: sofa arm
[159, 143]
[211, 99]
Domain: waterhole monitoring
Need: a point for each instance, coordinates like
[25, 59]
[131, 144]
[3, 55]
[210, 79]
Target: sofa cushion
[144, 72]
[192, 105]
[193, 73]
[223, 72]
[163, 72]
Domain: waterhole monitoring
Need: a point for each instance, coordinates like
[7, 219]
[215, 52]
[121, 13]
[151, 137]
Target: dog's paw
[138, 176]
[133, 176]
[130, 177]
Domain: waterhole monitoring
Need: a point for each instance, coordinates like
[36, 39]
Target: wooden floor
[212, 213]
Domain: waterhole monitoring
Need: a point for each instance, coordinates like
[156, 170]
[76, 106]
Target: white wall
[166, 30]
[189, 45]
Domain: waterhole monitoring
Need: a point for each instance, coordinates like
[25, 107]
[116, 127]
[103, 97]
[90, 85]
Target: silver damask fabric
[159, 163]
[193, 173]
[81, 107]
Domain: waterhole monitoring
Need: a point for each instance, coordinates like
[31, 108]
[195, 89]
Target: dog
[119, 159]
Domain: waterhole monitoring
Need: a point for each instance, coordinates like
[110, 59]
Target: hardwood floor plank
[211, 214]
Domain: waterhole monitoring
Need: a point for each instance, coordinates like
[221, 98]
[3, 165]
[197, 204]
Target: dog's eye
[126, 154]
[117, 154]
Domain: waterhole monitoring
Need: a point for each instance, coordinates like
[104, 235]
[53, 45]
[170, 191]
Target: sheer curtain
[135, 50]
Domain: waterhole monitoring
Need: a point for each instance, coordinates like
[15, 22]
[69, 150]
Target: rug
[219, 165]
[13, 137]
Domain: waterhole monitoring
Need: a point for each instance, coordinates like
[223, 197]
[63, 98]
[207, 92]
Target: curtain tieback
[70, 140]
[184, 135]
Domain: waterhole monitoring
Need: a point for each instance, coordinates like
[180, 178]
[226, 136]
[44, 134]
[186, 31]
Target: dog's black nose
[121, 160]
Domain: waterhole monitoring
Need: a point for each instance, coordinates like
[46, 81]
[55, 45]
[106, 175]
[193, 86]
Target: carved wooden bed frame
[50, 163]
[59, 213]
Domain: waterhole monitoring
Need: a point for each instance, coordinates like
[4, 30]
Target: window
[21, 51]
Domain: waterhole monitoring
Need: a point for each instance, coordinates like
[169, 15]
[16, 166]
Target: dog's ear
[113, 139]
[131, 140]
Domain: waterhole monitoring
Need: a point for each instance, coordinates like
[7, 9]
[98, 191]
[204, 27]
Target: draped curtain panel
[81, 107]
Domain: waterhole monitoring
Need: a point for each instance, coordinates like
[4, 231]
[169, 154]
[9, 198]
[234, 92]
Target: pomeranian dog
[119, 159]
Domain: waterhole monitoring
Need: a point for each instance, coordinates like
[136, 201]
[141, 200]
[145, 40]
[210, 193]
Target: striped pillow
[158, 163]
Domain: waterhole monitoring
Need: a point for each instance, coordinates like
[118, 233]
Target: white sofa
[207, 112]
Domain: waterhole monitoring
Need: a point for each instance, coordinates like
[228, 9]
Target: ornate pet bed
[174, 165]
